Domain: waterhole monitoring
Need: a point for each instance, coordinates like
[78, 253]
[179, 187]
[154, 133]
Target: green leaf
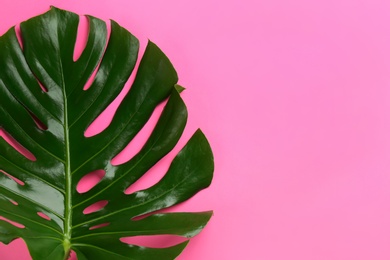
[51, 125]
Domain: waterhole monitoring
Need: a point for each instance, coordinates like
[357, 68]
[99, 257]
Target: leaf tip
[179, 88]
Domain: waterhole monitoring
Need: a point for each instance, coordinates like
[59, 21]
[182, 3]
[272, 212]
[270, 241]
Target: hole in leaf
[44, 89]
[140, 217]
[43, 215]
[150, 178]
[174, 208]
[16, 145]
[140, 139]
[13, 178]
[38, 122]
[19, 35]
[157, 172]
[93, 75]
[90, 180]
[14, 202]
[16, 224]
[99, 226]
[82, 37]
[154, 174]
[73, 255]
[105, 118]
[154, 241]
[95, 207]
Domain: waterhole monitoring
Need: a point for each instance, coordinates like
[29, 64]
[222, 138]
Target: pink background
[294, 97]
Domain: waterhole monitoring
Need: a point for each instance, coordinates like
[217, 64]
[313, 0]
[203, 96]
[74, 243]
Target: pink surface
[294, 97]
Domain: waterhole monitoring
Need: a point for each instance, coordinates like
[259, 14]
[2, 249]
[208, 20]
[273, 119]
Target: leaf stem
[67, 247]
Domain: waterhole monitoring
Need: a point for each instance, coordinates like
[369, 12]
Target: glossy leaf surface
[44, 108]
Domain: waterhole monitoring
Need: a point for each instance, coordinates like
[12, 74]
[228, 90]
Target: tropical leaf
[44, 108]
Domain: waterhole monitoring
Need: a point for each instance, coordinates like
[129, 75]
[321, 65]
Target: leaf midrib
[68, 174]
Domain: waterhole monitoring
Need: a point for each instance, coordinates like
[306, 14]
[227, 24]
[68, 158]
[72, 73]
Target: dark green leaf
[44, 108]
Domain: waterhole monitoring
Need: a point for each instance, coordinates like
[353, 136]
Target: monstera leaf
[44, 108]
